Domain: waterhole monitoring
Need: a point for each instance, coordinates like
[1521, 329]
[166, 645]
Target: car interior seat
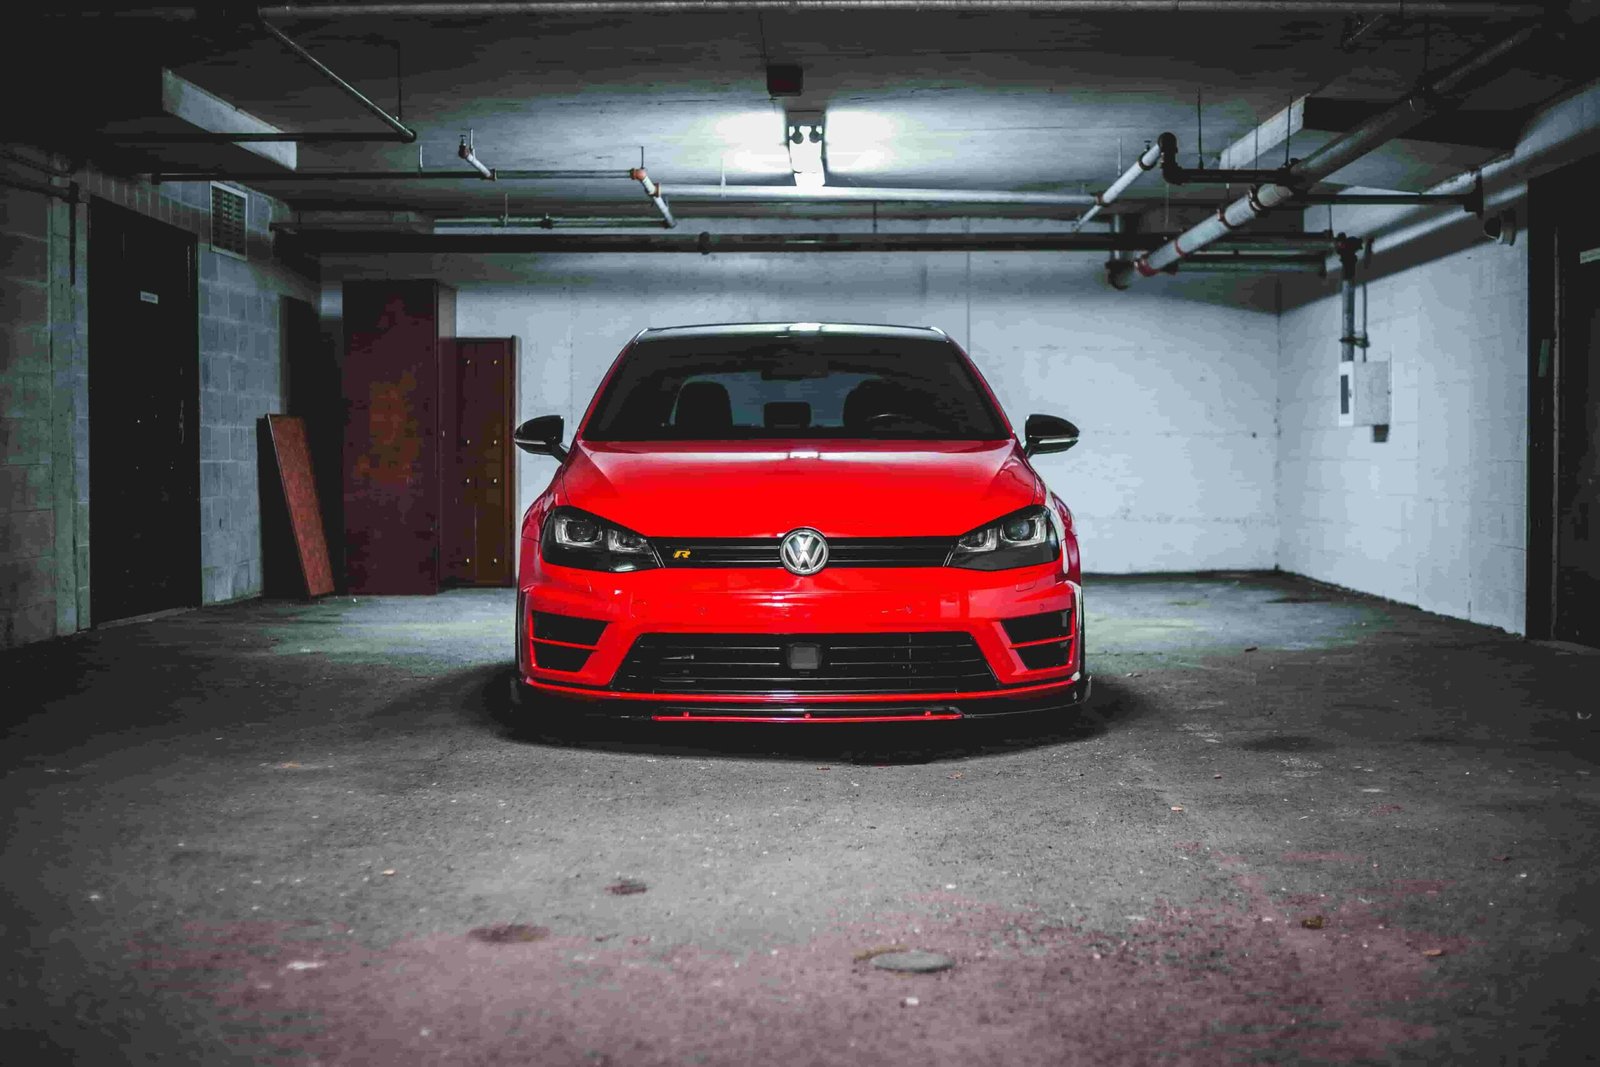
[704, 407]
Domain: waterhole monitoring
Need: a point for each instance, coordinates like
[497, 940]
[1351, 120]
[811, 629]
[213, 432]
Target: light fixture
[805, 150]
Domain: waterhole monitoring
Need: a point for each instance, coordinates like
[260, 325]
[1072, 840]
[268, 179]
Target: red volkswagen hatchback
[797, 523]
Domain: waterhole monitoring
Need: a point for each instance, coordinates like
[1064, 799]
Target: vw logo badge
[803, 551]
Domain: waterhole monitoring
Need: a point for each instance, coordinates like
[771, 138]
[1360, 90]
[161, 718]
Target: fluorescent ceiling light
[859, 141]
[805, 153]
[753, 143]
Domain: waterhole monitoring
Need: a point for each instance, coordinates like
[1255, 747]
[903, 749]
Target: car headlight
[1021, 539]
[575, 538]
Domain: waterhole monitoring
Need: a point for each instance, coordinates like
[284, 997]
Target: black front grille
[842, 552]
[759, 663]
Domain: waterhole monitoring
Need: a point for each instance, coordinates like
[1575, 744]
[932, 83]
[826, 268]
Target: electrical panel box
[1364, 393]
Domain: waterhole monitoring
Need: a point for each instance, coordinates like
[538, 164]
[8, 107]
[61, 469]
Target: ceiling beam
[184, 99]
[1496, 130]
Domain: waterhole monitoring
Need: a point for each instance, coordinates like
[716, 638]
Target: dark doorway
[314, 390]
[1564, 438]
[144, 407]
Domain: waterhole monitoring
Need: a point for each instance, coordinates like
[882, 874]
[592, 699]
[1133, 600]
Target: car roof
[791, 329]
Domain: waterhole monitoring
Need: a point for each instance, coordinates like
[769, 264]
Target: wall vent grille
[228, 208]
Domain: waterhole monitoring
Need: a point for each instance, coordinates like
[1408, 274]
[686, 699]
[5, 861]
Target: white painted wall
[1175, 395]
[1436, 515]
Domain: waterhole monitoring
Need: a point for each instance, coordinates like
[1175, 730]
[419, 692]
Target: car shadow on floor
[489, 706]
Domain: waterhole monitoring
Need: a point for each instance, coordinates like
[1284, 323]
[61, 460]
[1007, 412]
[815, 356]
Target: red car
[797, 523]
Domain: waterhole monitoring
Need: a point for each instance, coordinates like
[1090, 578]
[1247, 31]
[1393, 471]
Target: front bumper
[650, 604]
[557, 703]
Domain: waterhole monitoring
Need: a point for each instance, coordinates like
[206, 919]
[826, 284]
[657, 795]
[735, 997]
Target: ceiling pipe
[1357, 27]
[1257, 264]
[253, 177]
[467, 153]
[402, 133]
[1564, 134]
[391, 241]
[538, 222]
[759, 193]
[1174, 173]
[1349, 340]
[399, 131]
[653, 191]
[1146, 161]
[303, 137]
[1470, 201]
[1336, 154]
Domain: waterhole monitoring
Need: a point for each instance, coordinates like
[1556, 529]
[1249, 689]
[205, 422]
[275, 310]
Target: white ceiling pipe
[466, 152]
[1400, 8]
[858, 193]
[1565, 133]
[1333, 156]
[653, 191]
[1147, 161]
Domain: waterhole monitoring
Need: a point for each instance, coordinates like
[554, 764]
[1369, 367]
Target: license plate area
[804, 657]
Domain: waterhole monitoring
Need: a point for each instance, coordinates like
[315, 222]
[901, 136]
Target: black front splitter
[531, 698]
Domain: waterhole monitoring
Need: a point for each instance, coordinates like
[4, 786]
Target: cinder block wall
[1435, 515]
[46, 533]
[1173, 383]
[44, 476]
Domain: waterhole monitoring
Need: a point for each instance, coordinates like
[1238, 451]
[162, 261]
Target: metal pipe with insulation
[653, 191]
[1335, 155]
[1146, 161]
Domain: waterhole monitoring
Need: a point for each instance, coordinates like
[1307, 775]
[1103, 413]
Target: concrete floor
[1294, 826]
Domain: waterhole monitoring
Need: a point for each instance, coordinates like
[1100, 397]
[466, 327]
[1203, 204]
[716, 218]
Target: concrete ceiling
[1028, 102]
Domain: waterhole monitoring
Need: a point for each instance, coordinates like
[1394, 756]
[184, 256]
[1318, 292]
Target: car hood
[767, 488]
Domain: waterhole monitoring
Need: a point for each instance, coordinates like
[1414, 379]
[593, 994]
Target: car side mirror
[1046, 433]
[542, 436]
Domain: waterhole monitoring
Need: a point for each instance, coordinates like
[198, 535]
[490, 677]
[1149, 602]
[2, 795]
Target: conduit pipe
[253, 177]
[381, 241]
[538, 222]
[653, 191]
[1336, 154]
[1146, 161]
[1175, 173]
[1470, 201]
[467, 153]
[825, 193]
[1346, 249]
[402, 132]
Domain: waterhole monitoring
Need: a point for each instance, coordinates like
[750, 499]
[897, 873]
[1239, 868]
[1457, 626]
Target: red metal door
[478, 378]
[392, 427]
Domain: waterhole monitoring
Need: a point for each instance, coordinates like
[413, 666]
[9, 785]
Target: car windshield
[733, 388]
